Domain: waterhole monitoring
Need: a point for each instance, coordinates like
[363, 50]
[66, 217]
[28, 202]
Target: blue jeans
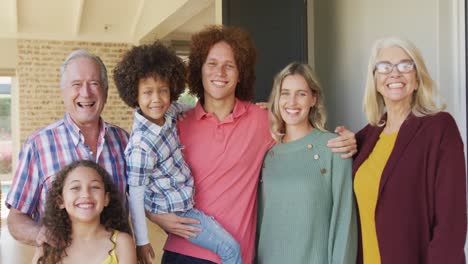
[214, 237]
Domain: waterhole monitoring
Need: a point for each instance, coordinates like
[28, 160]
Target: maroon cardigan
[420, 215]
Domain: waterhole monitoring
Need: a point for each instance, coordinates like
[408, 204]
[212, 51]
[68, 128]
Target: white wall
[8, 53]
[343, 31]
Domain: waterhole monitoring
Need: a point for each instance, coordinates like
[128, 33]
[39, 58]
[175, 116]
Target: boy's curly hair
[58, 223]
[154, 60]
[245, 56]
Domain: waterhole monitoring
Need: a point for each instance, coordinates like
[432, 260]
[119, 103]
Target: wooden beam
[15, 15]
[78, 16]
[136, 18]
[177, 19]
[7, 72]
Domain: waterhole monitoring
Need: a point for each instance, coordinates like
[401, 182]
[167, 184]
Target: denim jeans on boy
[214, 237]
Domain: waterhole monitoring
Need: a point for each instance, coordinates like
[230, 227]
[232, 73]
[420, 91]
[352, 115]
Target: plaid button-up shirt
[154, 159]
[50, 149]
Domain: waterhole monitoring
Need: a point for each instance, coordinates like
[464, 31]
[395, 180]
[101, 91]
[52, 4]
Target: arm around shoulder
[22, 227]
[37, 254]
[180, 107]
[345, 143]
[20, 224]
[125, 249]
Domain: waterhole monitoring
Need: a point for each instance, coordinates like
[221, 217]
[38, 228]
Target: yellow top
[366, 188]
[112, 258]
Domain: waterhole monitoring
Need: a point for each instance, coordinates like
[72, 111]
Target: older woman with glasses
[409, 174]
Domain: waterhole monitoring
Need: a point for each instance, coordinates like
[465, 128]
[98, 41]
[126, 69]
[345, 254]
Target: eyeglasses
[385, 67]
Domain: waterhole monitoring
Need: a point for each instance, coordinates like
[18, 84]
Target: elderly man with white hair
[81, 134]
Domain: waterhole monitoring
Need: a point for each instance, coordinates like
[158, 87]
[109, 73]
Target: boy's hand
[145, 254]
[345, 143]
[174, 224]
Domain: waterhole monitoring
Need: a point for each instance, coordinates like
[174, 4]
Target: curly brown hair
[57, 221]
[154, 60]
[245, 56]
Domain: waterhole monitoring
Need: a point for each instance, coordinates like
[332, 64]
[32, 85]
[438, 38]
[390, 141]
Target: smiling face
[396, 88]
[84, 195]
[295, 101]
[220, 74]
[83, 94]
[154, 99]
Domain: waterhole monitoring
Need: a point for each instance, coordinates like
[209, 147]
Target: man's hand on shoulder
[345, 143]
[263, 105]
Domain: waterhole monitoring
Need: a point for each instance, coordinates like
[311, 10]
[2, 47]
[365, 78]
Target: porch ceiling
[131, 21]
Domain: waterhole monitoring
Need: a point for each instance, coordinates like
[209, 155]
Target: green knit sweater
[306, 205]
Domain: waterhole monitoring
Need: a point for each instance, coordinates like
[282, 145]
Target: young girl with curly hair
[150, 78]
[85, 217]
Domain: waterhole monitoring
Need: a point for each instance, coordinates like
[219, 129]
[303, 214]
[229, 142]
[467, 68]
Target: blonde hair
[424, 98]
[317, 114]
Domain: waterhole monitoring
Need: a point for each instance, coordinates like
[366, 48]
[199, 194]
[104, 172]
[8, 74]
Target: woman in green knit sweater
[306, 207]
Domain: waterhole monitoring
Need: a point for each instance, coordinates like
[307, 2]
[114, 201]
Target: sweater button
[310, 146]
[323, 171]
[316, 156]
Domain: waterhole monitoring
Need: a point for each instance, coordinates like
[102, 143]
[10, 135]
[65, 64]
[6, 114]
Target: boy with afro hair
[149, 79]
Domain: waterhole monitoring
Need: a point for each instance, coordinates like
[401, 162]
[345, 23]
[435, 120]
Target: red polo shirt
[225, 158]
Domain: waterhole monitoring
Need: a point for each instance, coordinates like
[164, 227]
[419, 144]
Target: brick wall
[39, 99]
